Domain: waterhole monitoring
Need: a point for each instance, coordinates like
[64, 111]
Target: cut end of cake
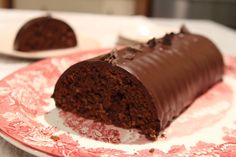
[44, 33]
[108, 94]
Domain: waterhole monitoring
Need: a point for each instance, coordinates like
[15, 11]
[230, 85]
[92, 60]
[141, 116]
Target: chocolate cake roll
[145, 86]
[44, 33]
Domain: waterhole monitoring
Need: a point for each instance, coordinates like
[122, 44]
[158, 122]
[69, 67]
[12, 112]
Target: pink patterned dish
[30, 120]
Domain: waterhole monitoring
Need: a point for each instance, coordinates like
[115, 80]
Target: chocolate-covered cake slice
[143, 87]
[44, 33]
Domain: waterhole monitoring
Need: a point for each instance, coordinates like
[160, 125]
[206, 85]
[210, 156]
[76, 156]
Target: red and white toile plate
[30, 120]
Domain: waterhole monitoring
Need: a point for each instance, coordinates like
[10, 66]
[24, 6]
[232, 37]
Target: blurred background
[222, 11]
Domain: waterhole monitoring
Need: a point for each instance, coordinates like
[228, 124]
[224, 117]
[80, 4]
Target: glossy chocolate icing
[173, 71]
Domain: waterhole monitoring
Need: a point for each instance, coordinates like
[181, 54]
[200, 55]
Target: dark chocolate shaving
[184, 30]
[167, 39]
[110, 57]
[152, 43]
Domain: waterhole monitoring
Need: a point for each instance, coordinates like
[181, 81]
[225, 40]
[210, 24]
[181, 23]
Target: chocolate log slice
[143, 87]
[44, 33]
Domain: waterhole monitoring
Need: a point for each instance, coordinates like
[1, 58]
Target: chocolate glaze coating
[44, 33]
[145, 86]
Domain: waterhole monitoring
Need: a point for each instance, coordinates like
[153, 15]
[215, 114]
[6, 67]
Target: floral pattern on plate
[28, 115]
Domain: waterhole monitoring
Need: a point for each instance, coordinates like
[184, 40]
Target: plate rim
[53, 52]
[23, 147]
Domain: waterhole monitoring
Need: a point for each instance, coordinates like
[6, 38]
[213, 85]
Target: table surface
[105, 29]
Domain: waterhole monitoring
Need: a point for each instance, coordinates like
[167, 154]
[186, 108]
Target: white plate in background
[143, 33]
[10, 28]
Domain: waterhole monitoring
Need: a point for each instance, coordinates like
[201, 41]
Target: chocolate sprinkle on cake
[152, 43]
[168, 39]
